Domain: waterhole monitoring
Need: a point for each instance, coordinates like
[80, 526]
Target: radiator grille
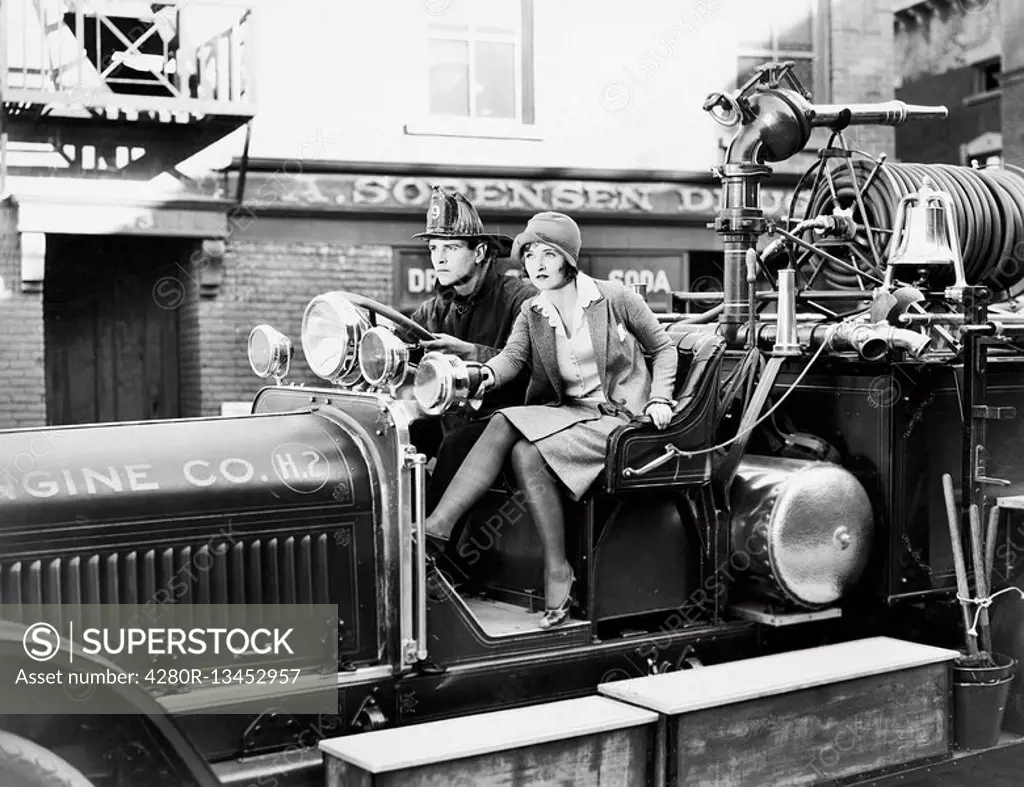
[279, 570]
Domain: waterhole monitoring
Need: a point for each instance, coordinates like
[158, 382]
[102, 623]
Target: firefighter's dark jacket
[484, 319]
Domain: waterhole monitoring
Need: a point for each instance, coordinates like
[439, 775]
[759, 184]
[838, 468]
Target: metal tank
[801, 530]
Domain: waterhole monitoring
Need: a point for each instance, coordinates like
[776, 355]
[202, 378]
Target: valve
[731, 109]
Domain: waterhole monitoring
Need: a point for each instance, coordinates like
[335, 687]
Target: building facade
[950, 52]
[130, 290]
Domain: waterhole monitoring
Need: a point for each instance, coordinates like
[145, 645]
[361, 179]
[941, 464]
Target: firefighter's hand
[660, 413]
[449, 344]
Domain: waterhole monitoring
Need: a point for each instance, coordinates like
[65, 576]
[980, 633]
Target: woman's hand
[486, 380]
[660, 413]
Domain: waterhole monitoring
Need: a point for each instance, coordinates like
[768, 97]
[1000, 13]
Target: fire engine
[866, 352]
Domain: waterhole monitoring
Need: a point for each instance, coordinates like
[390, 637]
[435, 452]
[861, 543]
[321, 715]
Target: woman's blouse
[577, 362]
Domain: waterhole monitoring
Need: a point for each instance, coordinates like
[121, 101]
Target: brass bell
[924, 234]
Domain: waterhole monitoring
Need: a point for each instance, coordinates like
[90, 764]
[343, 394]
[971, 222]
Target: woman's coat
[621, 326]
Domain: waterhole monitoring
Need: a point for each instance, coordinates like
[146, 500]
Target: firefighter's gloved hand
[449, 344]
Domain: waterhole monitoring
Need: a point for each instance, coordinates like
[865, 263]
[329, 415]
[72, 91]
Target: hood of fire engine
[117, 472]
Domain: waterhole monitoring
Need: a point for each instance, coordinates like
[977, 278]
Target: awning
[100, 210]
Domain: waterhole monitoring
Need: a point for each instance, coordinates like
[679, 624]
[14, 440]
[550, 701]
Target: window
[782, 31]
[480, 55]
[985, 150]
[987, 76]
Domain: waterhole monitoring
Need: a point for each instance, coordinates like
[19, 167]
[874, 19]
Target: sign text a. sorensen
[497, 194]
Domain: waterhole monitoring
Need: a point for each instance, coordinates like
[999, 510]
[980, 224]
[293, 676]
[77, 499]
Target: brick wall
[939, 141]
[929, 43]
[266, 282]
[1012, 82]
[22, 370]
[863, 65]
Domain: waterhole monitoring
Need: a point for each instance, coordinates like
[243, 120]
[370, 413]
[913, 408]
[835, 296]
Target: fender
[164, 725]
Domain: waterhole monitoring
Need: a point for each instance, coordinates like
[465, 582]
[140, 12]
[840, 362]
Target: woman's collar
[586, 293]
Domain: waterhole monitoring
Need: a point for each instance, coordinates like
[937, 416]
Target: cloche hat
[554, 229]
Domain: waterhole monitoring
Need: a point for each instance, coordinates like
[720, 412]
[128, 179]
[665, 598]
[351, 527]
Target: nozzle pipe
[783, 120]
[884, 113]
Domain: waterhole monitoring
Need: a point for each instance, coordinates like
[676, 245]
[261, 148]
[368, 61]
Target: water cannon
[774, 117]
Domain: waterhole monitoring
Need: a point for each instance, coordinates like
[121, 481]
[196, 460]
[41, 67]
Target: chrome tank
[801, 530]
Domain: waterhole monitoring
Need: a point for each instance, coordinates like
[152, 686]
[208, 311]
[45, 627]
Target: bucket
[979, 702]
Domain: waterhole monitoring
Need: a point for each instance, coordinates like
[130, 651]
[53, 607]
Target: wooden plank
[340, 773]
[56, 351]
[748, 679]
[153, 392]
[129, 344]
[816, 734]
[106, 352]
[80, 315]
[484, 733]
[170, 344]
[617, 758]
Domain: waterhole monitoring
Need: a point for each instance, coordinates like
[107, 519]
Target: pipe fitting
[873, 342]
[863, 339]
[911, 342]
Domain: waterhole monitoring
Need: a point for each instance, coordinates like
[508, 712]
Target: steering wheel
[402, 322]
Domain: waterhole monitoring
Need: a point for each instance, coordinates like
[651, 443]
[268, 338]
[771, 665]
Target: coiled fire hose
[989, 216]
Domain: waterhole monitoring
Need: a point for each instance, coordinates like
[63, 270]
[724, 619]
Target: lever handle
[671, 452]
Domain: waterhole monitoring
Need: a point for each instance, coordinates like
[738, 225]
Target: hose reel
[988, 208]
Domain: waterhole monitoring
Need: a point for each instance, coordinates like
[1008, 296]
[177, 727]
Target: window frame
[523, 125]
[818, 55]
[979, 70]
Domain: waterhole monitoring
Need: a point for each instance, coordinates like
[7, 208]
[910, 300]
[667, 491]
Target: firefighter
[471, 312]
[590, 337]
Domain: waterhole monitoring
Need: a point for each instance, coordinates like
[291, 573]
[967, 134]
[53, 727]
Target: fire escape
[120, 88]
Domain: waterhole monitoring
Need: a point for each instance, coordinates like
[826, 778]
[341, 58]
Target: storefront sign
[390, 192]
[661, 274]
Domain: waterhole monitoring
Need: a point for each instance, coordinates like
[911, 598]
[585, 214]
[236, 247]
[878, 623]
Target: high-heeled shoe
[437, 547]
[557, 616]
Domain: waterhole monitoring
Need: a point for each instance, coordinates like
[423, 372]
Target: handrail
[187, 50]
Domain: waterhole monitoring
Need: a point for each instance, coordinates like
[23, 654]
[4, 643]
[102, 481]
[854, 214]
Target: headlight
[331, 330]
[270, 352]
[443, 381]
[382, 357]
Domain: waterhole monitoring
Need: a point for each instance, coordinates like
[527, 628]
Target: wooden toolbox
[801, 717]
[583, 742]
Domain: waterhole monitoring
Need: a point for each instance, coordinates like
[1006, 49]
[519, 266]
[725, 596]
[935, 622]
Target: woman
[583, 339]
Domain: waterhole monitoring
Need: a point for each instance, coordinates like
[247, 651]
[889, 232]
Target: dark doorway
[112, 335]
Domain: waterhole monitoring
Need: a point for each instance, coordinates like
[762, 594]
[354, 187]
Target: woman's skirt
[572, 438]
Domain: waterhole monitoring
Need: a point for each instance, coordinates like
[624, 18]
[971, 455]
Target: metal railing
[94, 52]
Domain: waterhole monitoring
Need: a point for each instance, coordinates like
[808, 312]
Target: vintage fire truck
[864, 347]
